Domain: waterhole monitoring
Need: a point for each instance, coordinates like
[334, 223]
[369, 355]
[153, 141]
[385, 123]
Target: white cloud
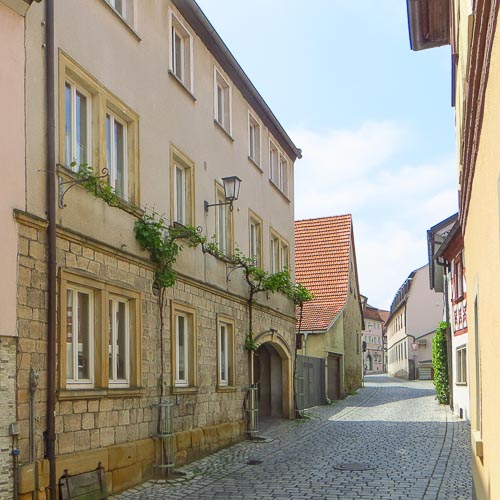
[393, 202]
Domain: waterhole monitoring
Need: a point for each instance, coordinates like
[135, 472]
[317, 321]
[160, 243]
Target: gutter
[50, 435]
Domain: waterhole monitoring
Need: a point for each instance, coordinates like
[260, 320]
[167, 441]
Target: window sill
[477, 444]
[184, 390]
[463, 384]
[98, 393]
[285, 197]
[226, 388]
[226, 133]
[124, 22]
[182, 85]
[255, 164]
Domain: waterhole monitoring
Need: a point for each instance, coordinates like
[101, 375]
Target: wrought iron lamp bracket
[208, 205]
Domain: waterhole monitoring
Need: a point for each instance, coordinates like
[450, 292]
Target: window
[462, 365]
[253, 139]
[77, 125]
[283, 175]
[182, 200]
[225, 352]
[116, 154]
[79, 336]
[181, 52]
[223, 230]
[222, 100]
[119, 341]
[280, 253]
[255, 237]
[124, 8]
[273, 163]
[184, 346]
[99, 130]
[100, 344]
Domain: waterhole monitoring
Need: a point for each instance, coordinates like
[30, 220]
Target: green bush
[440, 364]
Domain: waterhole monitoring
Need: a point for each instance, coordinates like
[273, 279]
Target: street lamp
[231, 186]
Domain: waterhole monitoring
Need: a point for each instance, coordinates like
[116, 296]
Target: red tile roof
[322, 255]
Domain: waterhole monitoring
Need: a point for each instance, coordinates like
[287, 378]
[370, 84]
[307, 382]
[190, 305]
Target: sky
[373, 119]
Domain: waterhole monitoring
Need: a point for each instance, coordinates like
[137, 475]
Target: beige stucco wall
[482, 261]
[11, 157]
[137, 73]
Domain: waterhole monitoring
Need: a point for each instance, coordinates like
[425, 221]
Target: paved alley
[391, 440]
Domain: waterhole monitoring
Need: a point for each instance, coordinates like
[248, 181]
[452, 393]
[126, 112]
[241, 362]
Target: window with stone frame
[225, 352]
[97, 129]
[184, 356]
[255, 238]
[279, 252]
[181, 187]
[222, 101]
[100, 341]
[223, 223]
[462, 365]
[181, 52]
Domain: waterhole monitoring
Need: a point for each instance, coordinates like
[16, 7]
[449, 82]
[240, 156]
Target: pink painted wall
[12, 170]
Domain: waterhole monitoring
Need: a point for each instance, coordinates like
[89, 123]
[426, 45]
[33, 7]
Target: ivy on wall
[440, 363]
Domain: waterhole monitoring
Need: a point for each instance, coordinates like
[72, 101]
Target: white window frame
[461, 358]
[181, 218]
[127, 11]
[254, 142]
[255, 240]
[113, 334]
[223, 226]
[283, 174]
[75, 381]
[184, 382]
[274, 247]
[224, 356]
[74, 88]
[273, 162]
[177, 27]
[226, 105]
[113, 166]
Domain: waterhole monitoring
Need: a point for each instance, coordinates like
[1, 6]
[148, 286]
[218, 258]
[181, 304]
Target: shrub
[440, 364]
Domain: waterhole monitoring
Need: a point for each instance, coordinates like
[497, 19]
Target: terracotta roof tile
[322, 254]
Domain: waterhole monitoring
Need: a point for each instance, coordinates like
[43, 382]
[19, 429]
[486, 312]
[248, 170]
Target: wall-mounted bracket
[65, 186]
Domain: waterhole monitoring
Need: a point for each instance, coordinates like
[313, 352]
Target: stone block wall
[95, 420]
[8, 347]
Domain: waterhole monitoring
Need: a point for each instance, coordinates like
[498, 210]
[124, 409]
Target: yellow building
[471, 28]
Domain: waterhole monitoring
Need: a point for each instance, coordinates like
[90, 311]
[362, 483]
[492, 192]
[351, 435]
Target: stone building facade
[120, 349]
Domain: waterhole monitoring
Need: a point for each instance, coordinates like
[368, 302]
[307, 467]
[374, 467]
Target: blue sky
[373, 119]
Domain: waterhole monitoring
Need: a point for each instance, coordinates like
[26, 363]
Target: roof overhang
[428, 23]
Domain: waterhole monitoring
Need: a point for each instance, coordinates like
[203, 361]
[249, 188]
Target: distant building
[373, 339]
[414, 316]
[325, 263]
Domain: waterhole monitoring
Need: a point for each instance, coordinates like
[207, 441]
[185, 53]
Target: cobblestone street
[411, 447]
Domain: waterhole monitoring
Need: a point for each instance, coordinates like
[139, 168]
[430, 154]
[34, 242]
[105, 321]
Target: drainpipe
[50, 435]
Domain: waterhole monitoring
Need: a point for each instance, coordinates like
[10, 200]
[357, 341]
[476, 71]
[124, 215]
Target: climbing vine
[440, 363]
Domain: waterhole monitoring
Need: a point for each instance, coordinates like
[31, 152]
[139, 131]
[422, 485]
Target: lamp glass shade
[231, 187]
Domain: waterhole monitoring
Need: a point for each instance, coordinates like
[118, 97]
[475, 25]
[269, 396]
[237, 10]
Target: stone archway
[273, 374]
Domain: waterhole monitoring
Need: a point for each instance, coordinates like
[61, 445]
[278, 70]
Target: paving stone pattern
[414, 448]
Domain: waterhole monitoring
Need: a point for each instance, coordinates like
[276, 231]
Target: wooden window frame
[224, 121]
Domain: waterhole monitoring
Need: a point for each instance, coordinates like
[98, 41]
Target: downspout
[50, 435]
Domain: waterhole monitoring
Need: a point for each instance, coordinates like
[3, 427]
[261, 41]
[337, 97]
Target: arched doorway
[272, 370]
[369, 363]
